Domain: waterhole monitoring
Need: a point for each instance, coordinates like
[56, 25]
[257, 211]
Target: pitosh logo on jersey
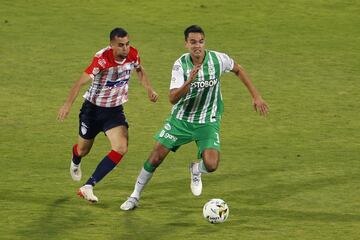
[204, 84]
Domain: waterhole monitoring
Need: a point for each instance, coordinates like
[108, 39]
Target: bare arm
[74, 91]
[177, 93]
[258, 103]
[153, 96]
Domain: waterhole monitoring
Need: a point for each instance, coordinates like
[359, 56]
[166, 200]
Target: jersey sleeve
[227, 63]
[95, 67]
[137, 61]
[177, 76]
[134, 57]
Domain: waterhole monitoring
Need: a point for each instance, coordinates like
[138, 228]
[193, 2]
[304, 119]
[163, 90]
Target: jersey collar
[113, 58]
[204, 61]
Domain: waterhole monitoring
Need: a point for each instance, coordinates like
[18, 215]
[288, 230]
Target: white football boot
[130, 204]
[196, 184]
[86, 192]
[75, 171]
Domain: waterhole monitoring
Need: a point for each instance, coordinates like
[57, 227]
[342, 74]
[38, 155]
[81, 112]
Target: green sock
[149, 167]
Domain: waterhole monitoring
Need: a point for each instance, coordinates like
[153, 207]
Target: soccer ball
[216, 211]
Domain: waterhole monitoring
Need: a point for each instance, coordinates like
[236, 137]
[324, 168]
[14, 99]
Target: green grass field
[294, 175]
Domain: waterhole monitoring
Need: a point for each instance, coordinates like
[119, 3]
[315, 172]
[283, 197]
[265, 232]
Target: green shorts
[176, 133]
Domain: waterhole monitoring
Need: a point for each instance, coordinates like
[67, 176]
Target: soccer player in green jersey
[196, 114]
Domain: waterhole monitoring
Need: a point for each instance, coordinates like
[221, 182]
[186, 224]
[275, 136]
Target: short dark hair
[117, 32]
[193, 29]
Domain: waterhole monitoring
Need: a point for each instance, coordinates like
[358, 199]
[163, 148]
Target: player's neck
[119, 58]
[197, 59]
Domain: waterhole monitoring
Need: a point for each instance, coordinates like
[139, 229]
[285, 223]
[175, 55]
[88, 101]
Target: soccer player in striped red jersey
[102, 109]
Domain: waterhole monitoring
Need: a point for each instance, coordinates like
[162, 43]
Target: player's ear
[186, 44]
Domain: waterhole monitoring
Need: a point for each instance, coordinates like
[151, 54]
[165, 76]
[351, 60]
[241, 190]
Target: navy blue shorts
[94, 119]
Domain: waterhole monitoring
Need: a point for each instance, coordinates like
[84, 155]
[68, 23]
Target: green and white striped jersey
[203, 103]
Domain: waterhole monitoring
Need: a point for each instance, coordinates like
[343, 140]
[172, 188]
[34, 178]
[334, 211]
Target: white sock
[143, 178]
[199, 168]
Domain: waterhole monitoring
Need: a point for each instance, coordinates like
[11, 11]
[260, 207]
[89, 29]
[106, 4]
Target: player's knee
[212, 166]
[121, 149]
[83, 151]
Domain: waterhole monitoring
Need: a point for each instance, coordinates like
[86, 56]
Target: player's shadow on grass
[58, 219]
[150, 222]
[213, 186]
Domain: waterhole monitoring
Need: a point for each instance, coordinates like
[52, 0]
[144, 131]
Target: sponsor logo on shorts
[166, 135]
[83, 128]
[167, 126]
[162, 133]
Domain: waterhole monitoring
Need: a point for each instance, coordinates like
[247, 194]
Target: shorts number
[217, 138]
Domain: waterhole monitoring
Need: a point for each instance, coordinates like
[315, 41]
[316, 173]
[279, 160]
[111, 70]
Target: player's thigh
[118, 137]
[208, 137]
[84, 145]
[89, 127]
[209, 145]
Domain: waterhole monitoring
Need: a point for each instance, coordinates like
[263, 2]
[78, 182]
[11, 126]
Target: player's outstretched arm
[153, 96]
[259, 104]
[74, 91]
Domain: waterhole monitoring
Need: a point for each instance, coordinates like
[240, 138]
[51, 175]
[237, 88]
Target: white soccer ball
[216, 211]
